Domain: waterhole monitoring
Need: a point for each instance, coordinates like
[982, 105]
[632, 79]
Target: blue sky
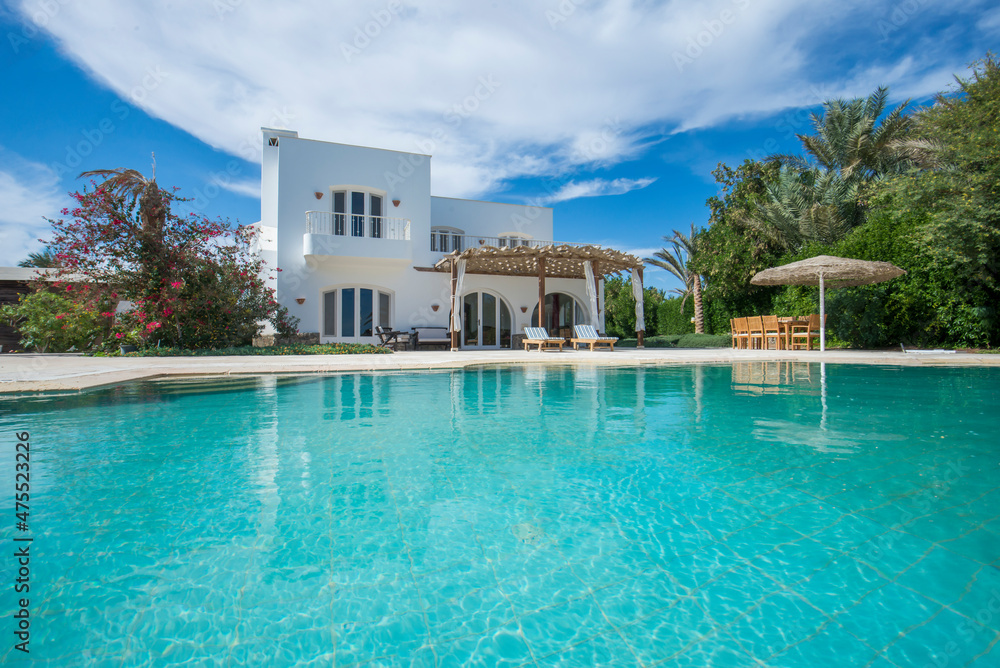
[613, 112]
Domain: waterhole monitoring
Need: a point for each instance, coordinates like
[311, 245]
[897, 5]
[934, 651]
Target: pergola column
[640, 335]
[454, 305]
[541, 292]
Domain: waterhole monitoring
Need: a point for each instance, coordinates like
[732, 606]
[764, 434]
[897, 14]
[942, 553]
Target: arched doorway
[562, 311]
[486, 321]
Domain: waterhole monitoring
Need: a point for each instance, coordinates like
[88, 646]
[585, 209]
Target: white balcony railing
[446, 243]
[350, 225]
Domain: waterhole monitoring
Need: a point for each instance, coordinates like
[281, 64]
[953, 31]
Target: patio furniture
[772, 330]
[430, 336]
[804, 334]
[387, 337]
[587, 335]
[741, 334]
[537, 336]
[786, 323]
[755, 326]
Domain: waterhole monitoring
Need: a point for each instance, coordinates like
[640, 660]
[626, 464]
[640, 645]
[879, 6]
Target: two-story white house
[356, 235]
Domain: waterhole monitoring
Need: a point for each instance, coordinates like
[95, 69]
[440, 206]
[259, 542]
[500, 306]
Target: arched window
[446, 239]
[562, 311]
[353, 312]
[357, 211]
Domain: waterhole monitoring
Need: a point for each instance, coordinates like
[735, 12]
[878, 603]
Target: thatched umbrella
[828, 271]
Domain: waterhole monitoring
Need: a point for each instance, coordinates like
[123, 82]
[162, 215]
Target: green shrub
[670, 318]
[291, 349]
[705, 341]
[666, 341]
[51, 323]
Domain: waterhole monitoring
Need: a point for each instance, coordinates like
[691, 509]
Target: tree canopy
[916, 187]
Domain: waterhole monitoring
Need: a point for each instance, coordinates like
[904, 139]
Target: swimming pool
[771, 514]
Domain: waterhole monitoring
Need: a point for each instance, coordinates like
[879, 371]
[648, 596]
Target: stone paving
[62, 372]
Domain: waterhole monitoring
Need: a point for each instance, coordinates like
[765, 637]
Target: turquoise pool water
[757, 514]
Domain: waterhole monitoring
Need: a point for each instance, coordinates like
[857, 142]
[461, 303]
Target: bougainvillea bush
[51, 323]
[191, 282]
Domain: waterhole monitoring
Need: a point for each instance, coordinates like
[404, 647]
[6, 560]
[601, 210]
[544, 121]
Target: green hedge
[294, 349]
[681, 341]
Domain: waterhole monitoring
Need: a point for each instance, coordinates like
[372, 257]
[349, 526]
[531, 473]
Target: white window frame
[377, 291]
[452, 236]
[369, 224]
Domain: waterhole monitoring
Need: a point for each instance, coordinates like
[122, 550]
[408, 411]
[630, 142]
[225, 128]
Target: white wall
[297, 168]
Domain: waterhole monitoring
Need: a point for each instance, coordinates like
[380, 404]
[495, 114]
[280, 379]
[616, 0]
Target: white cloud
[521, 88]
[30, 193]
[247, 188]
[596, 188]
[990, 22]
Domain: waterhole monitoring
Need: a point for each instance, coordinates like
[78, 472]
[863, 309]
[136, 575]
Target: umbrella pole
[822, 314]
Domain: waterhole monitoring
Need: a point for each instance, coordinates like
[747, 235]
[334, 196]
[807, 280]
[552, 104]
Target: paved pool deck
[27, 373]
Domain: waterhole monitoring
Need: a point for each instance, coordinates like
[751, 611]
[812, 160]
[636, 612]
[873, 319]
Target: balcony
[446, 243]
[346, 236]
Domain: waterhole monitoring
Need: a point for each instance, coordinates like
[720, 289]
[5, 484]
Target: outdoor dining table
[786, 324]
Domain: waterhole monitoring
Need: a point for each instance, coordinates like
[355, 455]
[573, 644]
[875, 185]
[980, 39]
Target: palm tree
[152, 204]
[674, 260]
[817, 199]
[851, 140]
[804, 206]
[43, 259]
[131, 184]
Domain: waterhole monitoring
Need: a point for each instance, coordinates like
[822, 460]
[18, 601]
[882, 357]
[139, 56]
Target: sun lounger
[587, 335]
[537, 336]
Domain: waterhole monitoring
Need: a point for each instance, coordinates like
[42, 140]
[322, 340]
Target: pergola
[591, 263]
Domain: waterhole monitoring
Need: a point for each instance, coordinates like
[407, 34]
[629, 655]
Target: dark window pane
[357, 214]
[366, 312]
[339, 212]
[383, 310]
[376, 216]
[347, 313]
[330, 314]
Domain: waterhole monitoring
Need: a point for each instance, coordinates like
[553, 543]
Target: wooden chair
[803, 335]
[755, 326]
[772, 330]
[537, 336]
[732, 331]
[587, 335]
[742, 333]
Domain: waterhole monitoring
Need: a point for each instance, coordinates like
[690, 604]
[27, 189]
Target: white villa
[360, 243]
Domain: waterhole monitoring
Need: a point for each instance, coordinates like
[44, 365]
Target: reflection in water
[774, 377]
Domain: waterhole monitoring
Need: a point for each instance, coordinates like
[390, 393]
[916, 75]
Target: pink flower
[167, 311]
[69, 288]
[119, 335]
[177, 284]
[60, 316]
